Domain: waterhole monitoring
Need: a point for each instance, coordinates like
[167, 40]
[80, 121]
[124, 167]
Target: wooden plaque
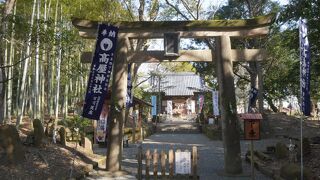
[252, 129]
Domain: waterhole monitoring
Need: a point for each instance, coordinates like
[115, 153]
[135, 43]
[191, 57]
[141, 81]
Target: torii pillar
[118, 107]
[228, 107]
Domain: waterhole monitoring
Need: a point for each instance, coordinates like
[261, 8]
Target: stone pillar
[118, 101]
[230, 123]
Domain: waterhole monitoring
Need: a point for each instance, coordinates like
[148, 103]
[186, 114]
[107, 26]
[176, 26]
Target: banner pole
[301, 146]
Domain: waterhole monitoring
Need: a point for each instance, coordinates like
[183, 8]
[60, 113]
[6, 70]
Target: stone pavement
[211, 156]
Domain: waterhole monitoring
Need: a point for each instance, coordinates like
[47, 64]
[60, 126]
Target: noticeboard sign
[183, 162]
[251, 126]
[252, 129]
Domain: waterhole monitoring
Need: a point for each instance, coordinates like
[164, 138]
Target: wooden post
[140, 163]
[230, 123]
[163, 164]
[194, 162]
[118, 100]
[134, 126]
[252, 160]
[94, 124]
[171, 160]
[148, 158]
[155, 164]
[140, 122]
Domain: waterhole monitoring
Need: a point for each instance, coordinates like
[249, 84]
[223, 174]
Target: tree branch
[241, 77]
[6, 80]
[141, 10]
[18, 62]
[188, 9]
[137, 85]
[177, 9]
[129, 9]
[198, 9]
[247, 68]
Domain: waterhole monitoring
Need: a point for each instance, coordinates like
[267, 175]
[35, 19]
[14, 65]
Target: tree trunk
[25, 70]
[271, 104]
[58, 70]
[118, 101]
[10, 69]
[230, 123]
[5, 106]
[260, 88]
[65, 101]
[22, 54]
[7, 9]
[36, 82]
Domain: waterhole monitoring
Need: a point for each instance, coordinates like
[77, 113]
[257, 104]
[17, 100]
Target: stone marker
[62, 133]
[10, 142]
[281, 151]
[38, 132]
[86, 144]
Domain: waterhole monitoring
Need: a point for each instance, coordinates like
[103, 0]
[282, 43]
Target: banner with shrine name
[304, 68]
[100, 72]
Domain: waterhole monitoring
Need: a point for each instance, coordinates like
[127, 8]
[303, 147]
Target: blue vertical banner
[215, 103]
[201, 96]
[100, 72]
[304, 68]
[154, 105]
[253, 94]
[129, 100]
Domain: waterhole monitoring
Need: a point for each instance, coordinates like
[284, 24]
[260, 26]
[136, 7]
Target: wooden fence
[161, 159]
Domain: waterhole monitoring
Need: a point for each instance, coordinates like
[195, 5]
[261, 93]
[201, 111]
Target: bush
[76, 124]
[281, 151]
[293, 171]
[212, 132]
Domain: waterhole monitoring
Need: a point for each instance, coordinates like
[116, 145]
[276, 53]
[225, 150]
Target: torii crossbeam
[223, 56]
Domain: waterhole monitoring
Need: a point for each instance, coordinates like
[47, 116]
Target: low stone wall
[211, 131]
[147, 131]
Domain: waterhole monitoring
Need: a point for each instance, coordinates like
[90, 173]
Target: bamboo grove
[44, 76]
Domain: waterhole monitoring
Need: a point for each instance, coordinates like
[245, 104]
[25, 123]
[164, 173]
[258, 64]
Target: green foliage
[178, 67]
[99, 10]
[76, 122]
[310, 10]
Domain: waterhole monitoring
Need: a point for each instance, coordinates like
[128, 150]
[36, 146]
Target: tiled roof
[181, 84]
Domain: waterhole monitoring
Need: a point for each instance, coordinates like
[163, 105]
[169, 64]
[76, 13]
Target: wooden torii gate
[222, 55]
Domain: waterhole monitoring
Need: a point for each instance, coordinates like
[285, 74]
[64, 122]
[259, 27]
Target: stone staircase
[178, 125]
